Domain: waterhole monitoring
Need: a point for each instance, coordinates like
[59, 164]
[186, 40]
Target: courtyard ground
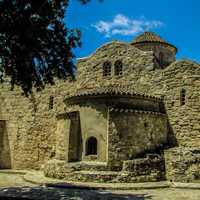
[13, 185]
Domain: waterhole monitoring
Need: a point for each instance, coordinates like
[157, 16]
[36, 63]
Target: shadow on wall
[75, 138]
[172, 141]
[5, 158]
[171, 137]
[68, 191]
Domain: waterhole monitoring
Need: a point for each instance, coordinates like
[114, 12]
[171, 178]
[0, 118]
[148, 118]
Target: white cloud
[122, 25]
[121, 20]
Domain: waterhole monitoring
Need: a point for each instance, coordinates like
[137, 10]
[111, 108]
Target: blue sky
[177, 21]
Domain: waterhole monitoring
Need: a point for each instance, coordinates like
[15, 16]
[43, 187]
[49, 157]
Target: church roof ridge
[113, 90]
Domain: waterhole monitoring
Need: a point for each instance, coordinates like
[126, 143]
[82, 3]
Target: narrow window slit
[51, 102]
[182, 97]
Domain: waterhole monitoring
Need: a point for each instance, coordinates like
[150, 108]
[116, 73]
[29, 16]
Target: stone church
[132, 115]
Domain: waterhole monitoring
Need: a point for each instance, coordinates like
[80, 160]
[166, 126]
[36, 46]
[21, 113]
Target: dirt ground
[13, 185]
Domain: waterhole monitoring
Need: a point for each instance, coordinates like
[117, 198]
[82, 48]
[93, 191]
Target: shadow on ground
[63, 193]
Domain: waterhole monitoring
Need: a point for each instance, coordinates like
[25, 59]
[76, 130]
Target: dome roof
[150, 37]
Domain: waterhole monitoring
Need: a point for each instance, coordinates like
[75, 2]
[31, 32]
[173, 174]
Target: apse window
[107, 68]
[91, 146]
[51, 102]
[118, 68]
[161, 59]
[182, 97]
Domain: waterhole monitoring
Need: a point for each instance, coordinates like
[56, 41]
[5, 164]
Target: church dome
[163, 52]
[150, 37]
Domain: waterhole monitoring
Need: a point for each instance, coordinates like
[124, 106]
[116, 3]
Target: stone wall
[90, 69]
[150, 168]
[168, 53]
[133, 133]
[30, 124]
[182, 164]
[92, 122]
[5, 160]
[184, 119]
[62, 138]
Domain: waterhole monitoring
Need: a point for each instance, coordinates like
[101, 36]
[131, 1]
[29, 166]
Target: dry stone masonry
[132, 115]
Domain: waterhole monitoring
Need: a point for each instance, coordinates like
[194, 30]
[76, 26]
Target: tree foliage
[35, 46]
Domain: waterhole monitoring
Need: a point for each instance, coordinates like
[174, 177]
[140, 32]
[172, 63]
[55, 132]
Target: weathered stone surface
[131, 134]
[182, 164]
[29, 132]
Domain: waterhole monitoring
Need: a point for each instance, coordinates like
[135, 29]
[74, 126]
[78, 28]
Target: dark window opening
[145, 124]
[182, 97]
[118, 68]
[107, 68]
[161, 59]
[51, 101]
[91, 146]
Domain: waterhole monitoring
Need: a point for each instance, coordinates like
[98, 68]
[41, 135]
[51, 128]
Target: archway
[91, 146]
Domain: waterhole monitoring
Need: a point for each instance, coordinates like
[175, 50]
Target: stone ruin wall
[134, 133]
[182, 164]
[29, 133]
[151, 168]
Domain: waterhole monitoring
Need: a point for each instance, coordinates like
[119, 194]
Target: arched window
[107, 68]
[91, 146]
[182, 97]
[118, 68]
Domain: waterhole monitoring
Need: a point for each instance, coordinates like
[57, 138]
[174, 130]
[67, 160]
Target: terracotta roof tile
[112, 90]
[148, 37]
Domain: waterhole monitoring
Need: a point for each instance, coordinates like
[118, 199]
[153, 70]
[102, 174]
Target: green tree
[35, 45]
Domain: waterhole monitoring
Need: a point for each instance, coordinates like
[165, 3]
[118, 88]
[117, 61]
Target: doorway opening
[91, 146]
